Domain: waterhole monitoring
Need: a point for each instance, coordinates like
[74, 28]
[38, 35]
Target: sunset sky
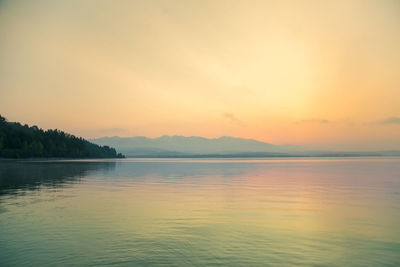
[322, 74]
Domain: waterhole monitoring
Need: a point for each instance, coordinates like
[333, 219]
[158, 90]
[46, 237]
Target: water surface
[185, 212]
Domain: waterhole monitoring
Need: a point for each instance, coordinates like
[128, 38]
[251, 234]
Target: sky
[320, 74]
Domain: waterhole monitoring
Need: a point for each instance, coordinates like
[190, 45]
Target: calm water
[278, 212]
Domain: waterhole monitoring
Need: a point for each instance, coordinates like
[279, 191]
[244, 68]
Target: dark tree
[22, 141]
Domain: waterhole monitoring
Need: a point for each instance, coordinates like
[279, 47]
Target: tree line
[22, 141]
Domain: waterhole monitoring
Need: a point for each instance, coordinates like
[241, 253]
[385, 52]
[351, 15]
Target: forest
[22, 141]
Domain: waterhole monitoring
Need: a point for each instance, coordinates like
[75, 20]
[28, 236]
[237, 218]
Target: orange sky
[323, 74]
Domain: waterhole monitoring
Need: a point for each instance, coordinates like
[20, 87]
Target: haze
[320, 74]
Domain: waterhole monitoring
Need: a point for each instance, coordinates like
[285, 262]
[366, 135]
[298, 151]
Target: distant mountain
[22, 141]
[181, 146]
[230, 147]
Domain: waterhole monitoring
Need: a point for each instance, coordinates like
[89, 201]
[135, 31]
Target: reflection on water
[279, 212]
[18, 176]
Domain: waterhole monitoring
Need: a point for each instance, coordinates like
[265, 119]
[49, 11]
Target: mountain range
[169, 145]
[225, 146]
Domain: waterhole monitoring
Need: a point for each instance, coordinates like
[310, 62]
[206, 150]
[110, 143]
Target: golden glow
[315, 73]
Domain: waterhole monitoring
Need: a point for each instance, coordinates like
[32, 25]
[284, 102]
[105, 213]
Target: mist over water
[185, 212]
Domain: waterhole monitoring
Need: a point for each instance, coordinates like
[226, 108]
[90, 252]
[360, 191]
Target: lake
[195, 212]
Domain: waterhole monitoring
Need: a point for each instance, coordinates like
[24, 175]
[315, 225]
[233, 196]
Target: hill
[22, 141]
[183, 146]
[228, 147]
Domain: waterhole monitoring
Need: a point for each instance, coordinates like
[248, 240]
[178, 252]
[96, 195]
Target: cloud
[322, 121]
[231, 117]
[389, 121]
